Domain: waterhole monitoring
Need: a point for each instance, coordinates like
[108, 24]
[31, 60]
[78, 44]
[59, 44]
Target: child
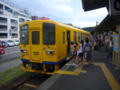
[74, 52]
[80, 54]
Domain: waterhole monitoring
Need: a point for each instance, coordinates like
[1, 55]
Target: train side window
[75, 37]
[35, 37]
[78, 36]
[63, 37]
[81, 36]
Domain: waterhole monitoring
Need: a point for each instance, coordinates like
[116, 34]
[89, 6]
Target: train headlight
[50, 52]
[23, 50]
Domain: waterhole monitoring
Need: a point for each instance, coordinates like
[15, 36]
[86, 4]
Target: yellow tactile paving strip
[110, 78]
[30, 85]
[77, 71]
[67, 72]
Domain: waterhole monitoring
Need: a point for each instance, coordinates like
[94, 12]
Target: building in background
[44, 18]
[34, 17]
[10, 19]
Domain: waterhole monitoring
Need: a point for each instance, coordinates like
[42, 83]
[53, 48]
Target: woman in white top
[80, 54]
[109, 55]
[106, 44]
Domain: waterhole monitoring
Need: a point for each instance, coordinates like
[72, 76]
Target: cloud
[66, 11]
[63, 7]
[83, 23]
[97, 12]
[48, 2]
[58, 5]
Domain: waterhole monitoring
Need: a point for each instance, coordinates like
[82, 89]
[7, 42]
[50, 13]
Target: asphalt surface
[94, 79]
[10, 54]
[9, 64]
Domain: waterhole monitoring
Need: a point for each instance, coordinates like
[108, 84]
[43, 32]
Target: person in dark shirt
[99, 43]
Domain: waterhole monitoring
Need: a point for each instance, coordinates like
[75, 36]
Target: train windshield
[24, 34]
[48, 34]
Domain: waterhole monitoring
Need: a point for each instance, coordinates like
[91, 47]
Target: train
[45, 44]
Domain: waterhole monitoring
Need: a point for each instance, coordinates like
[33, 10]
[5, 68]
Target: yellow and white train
[45, 44]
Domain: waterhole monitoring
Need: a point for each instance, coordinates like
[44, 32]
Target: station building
[11, 17]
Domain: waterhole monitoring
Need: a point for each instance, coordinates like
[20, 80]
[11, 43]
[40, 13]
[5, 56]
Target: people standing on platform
[99, 43]
[106, 44]
[96, 44]
[87, 48]
[109, 55]
[80, 54]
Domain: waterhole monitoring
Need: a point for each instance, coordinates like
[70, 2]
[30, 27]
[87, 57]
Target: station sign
[114, 7]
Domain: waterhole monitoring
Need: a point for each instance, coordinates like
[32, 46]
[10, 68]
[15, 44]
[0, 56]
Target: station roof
[94, 4]
[109, 22]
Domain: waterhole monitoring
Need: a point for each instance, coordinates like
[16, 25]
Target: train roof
[58, 23]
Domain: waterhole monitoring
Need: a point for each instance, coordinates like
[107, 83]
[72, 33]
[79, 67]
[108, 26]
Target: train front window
[24, 34]
[35, 37]
[48, 34]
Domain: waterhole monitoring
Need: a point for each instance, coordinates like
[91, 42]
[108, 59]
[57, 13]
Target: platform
[100, 75]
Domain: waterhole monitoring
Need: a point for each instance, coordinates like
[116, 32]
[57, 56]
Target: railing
[10, 14]
[3, 29]
[3, 21]
[14, 24]
[15, 30]
[14, 36]
[3, 36]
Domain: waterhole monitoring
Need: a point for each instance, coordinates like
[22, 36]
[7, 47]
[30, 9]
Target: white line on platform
[10, 53]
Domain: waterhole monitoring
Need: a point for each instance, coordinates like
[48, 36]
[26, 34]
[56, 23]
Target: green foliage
[11, 74]
[89, 29]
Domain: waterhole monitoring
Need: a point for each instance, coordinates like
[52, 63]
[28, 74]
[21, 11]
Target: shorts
[80, 54]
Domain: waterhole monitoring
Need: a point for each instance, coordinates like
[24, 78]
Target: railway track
[28, 83]
[36, 79]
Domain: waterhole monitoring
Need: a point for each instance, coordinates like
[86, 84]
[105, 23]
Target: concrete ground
[100, 75]
[6, 65]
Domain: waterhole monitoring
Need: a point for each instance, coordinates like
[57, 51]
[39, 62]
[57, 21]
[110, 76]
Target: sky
[65, 11]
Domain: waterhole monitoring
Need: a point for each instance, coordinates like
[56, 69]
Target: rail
[23, 82]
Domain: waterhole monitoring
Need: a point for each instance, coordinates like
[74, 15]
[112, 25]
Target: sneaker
[73, 64]
[89, 62]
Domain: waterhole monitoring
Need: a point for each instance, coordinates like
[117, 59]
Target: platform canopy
[94, 4]
[108, 23]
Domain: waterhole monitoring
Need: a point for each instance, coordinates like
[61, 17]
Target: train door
[68, 42]
[35, 46]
